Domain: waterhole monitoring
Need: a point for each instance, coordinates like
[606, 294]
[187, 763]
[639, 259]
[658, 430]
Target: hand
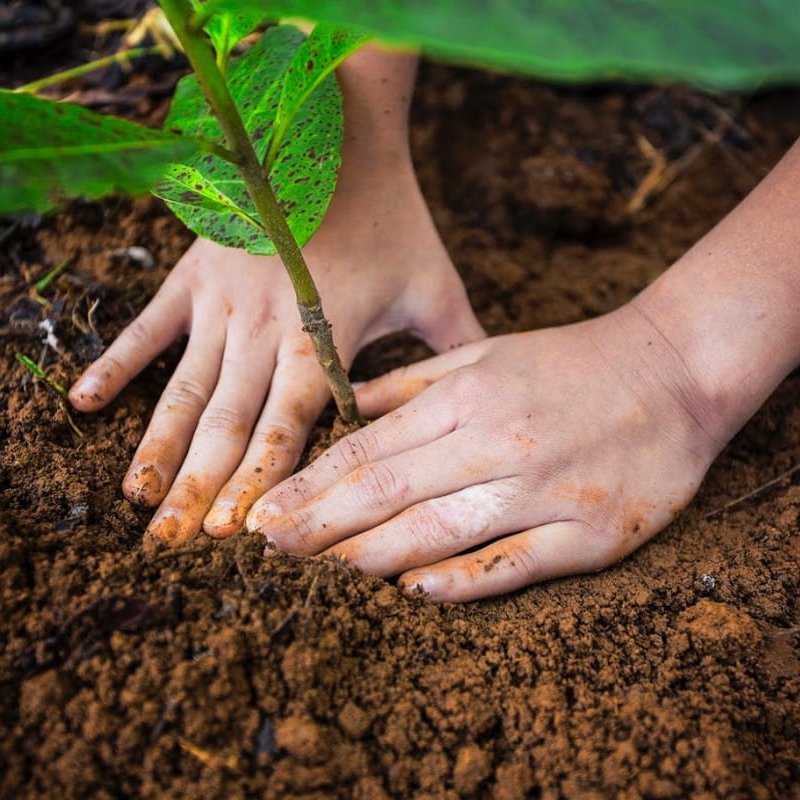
[234, 418]
[527, 457]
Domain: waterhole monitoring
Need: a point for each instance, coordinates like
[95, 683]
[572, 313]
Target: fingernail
[166, 526]
[222, 518]
[421, 580]
[144, 484]
[88, 388]
[262, 514]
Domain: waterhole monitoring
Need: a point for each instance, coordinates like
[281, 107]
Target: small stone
[708, 583]
[140, 255]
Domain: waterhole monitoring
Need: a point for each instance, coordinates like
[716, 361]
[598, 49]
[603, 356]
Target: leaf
[317, 57]
[53, 151]
[228, 28]
[727, 45]
[209, 195]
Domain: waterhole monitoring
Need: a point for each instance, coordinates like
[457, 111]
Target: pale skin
[543, 454]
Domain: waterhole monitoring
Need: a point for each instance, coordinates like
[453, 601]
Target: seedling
[47, 280]
[38, 373]
[250, 149]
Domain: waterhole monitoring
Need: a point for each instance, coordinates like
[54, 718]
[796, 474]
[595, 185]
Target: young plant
[39, 374]
[248, 155]
[250, 150]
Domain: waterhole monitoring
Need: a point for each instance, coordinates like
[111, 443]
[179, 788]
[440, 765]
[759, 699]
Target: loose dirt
[212, 672]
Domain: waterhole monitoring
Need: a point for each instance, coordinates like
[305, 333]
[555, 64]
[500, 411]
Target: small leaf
[209, 195]
[228, 28]
[727, 45]
[53, 151]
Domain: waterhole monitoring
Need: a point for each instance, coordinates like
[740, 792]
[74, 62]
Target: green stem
[44, 283]
[38, 372]
[83, 69]
[211, 80]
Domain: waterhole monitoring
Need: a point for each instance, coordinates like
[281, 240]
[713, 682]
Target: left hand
[508, 461]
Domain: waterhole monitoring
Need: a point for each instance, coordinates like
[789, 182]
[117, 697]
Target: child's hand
[234, 418]
[553, 452]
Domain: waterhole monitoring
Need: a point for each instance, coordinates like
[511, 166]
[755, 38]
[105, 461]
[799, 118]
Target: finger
[539, 554]
[397, 387]
[297, 396]
[162, 321]
[219, 442]
[439, 528]
[379, 490]
[170, 431]
[406, 429]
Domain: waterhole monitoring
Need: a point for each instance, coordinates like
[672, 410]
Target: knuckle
[109, 367]
[357, 450]
[137, 334]
[428, 531]
[226, 423]
[300, 535]
[523, 561]
[243, 488]
[186, 393]
[281, 437]
[466, 387]
[379, 485]
[299, 345]
[605, 539]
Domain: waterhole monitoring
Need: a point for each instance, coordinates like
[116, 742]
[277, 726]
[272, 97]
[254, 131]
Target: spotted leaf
[271, 96]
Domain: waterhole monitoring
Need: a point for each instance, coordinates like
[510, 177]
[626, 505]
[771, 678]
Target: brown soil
[211, 672]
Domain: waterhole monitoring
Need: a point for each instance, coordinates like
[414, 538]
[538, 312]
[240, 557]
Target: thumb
[384, 394]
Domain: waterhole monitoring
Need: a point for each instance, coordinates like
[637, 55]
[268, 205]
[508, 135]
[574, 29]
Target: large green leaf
[50, 152]
[282, 85]
[730, 44]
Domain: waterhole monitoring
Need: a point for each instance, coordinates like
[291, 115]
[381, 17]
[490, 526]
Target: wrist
[731, 305]
[734, 341]
[376, 90]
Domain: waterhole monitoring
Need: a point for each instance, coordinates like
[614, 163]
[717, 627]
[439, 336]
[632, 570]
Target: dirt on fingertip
[215, 671]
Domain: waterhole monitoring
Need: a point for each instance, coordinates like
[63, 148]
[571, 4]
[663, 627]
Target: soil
[211, 672]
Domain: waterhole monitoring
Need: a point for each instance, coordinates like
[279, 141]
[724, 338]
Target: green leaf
[301, 104]
[228, 28]
[739, 44]
[50, 152]
[317, 57]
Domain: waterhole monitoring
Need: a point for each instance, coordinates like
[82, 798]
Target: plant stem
[38, 372]
[83, 69]
[44, 283]
[201, 57]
